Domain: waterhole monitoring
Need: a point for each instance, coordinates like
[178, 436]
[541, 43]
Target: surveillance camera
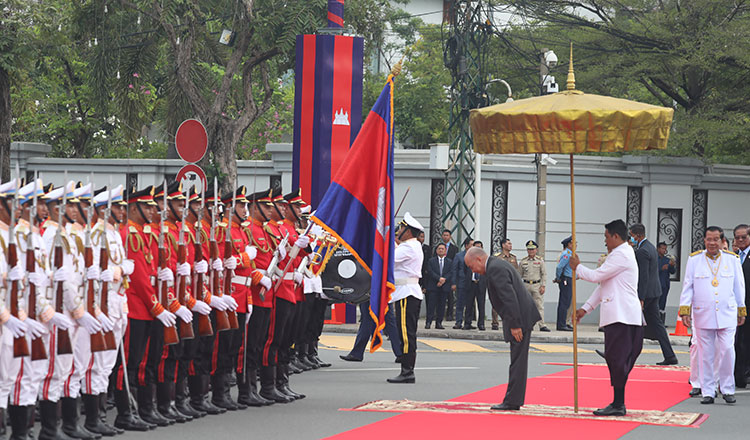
[550, 59]
[546, 159]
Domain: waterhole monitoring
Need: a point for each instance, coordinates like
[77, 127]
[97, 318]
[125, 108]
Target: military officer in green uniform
[534, 276]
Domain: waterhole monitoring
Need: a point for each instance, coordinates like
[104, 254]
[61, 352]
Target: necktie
[474, 276]
[441, 266]
[743, 254]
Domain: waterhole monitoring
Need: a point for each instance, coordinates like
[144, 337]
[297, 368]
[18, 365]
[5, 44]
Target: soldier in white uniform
[714, 291]
[407, 298]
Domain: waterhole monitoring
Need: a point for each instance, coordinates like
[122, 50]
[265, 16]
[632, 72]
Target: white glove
[61, 321]
[230, 263]
[166, 275]
[201, 307]
[107, 276]
[201, 266]
[217, 302]
[216, 265]
[107, 324]
[282, 252]
[302, 241]
[184, 314]
[230, 302]
[251, 252]
[91, 324]
[183, 269]
[297, 277]
[167, 318]
[16, 273]
[40, 280]
[93, 273]
[266, 282]
[248, 314]
[127, 267]
[62, 274]
[35, 329]
[16, 326]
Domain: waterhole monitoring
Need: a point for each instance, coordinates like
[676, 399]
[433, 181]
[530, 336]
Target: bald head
[476, 260]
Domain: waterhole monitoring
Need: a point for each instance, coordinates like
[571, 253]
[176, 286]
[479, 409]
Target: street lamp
[510, 92]
[548, 61]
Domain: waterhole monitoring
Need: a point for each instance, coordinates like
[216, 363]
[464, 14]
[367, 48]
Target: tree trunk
[6, 118]
[224, 148]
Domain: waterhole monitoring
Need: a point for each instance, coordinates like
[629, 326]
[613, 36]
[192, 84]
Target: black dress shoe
[457, 326]
[544, 329]
[565, 329]
[494, 327]
[695, 392]
[600, 353]
[670, 361]
[350, 358]
[611, 410]
[427, 325]
[439, 326]
[729, 398]
[707, 400]
[469, 327]
[505, 407]
[481, 328]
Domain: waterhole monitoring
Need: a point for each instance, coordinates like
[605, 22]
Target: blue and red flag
[358, 206]
[335, 13]
[327, 109]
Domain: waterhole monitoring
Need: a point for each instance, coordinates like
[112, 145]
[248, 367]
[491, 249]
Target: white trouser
[57, 368]
[104, 361]
[81, 341]
[6, 356]
[695, 362]
[26, 376]
[716, 359]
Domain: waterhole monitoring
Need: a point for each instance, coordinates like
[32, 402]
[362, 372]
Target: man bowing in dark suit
[649, 291]
[519, 314]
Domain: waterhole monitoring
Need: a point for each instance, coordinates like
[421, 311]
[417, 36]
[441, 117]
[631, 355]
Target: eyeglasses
[741, 237]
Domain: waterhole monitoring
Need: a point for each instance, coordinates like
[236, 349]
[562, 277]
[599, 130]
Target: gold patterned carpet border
[649, 417]
[644, 366]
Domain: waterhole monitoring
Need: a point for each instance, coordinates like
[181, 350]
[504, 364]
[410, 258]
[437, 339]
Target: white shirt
[407, 270]
[618, 288]
[713, 307]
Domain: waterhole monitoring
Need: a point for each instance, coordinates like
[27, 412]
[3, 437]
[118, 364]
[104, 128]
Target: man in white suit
[620, 315]
[714, 291]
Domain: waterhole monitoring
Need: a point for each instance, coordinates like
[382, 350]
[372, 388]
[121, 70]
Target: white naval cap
[8, 188]
[57, 193]
[26, 193]
[412, 222]
[103, 197]
[85, 192]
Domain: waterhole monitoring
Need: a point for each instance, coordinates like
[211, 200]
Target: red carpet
[647, 389]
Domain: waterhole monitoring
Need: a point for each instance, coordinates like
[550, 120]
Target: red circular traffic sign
[191, 168]
[191, 140]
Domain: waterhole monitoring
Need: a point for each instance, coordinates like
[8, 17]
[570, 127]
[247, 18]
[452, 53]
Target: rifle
[170, 333]
[204, 322]
[20, 346]
[231, 314]
[222, 318]
[273, 264]
[292, 255]
[186, 328]
[63, 337]
[109, 337]
[38, 351]
[97, 339]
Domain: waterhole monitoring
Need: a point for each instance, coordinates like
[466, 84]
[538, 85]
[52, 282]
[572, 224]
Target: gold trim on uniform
[741, 311]
[684, 311]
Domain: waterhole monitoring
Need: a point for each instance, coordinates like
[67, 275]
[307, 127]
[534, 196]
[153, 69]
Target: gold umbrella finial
[397, 68]
[571, 74]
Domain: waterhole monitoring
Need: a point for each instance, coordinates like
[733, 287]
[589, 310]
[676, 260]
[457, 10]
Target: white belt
[245, 281]
[289, 276]
[406, 281]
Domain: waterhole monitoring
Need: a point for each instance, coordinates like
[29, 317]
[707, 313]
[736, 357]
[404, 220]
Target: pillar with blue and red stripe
[335, 13]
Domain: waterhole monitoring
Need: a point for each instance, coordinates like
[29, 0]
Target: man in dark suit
[461, 276]
[742, 339]
[427, 251]
[649, 291]
[439, 284]
[516, 308]
[475, 297]
[450, 251]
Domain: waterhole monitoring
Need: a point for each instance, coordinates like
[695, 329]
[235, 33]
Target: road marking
[396, 369]
[455, 346]
[552, 348]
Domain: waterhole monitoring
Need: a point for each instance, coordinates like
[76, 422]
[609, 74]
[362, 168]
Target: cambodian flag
[357, 208]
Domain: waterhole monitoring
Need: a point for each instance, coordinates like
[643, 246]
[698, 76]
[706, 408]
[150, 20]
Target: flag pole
[573, 286]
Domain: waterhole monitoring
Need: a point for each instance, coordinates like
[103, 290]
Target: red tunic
[245, 268]
[299, 291]
[259, 237]
[286, 288]
[140, 246]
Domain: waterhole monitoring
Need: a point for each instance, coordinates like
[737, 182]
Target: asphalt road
[470, 366]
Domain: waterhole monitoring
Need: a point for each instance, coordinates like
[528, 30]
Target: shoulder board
[147, 229]
[132, 229]
[79, 244]
[245, 224]
[730, 253]
[697, 252]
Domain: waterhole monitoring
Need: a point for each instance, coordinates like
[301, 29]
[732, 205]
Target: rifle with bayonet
[170, 333]
[20, 346]
[228, 273]
[204, 322]
[97, 339]
[273, 265]
[222, 318]
[109, 337]
[63, 337]
[38, 350]
[186, 328]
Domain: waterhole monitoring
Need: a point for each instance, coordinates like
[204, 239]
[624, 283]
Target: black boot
[125, 419]
[407, 370]
[248, 394]
[19, 422]
[199, 396]
[49, 420]
[182, 403]
[268, 386]
[92, 422]
[303, 359]
[312, 354]
[103, 404]
[165, 404]
[219, 392]
[146, 409]
[70, 421]
[3, 430]
[232, 378]
[282, 382]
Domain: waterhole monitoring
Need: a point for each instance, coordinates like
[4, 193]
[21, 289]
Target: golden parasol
[570, 122]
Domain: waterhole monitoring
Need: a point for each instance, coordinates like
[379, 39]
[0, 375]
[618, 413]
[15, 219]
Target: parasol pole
[571, 85]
